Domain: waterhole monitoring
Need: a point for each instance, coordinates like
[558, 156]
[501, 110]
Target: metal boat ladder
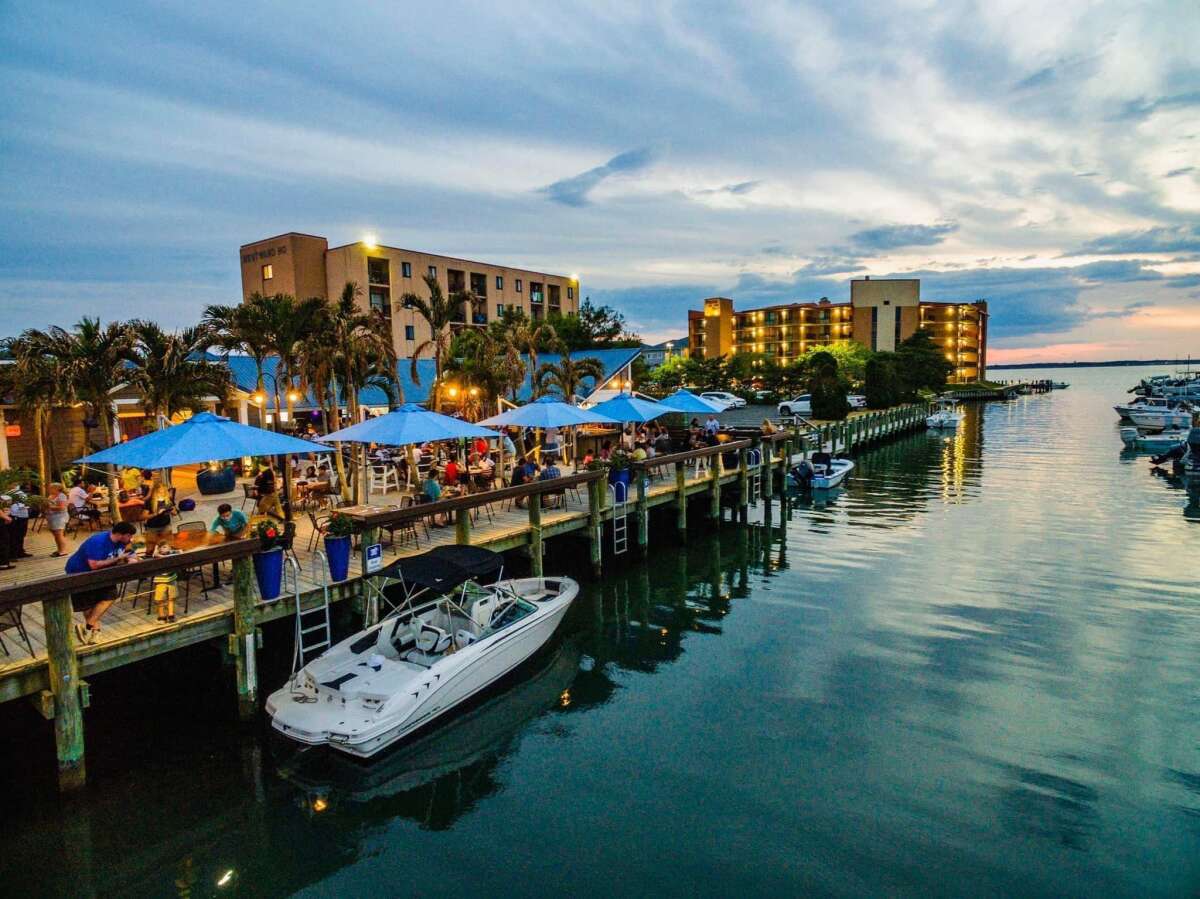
[313, 632]
[620, 495]
[754, 458]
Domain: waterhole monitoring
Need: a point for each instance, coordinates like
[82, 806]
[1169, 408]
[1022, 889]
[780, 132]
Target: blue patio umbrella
[549, 412]
[408, 425]
[686, 401]
[202, 438]
[632, 408]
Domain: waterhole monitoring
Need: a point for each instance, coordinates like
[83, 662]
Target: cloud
[574, 191]
[1166, 239]
[1186, 170]
[891, 237]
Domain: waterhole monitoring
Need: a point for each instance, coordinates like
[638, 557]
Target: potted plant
[618, 468]
[268, 561]
[337, 545]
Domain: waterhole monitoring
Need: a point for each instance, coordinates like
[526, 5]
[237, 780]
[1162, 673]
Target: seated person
[431, 492]
[229, 521]
[606, 450]
[662, 443]
[451, 475]
[525, 473]
[549, 473]
[821, 458]
[483, 477]
[639, 452]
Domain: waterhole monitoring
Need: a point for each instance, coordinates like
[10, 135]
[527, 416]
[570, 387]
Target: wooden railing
[66, 584]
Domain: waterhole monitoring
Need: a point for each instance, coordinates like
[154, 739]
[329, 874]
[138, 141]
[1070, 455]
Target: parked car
[726, 399]
[856, 401]
[801, 405]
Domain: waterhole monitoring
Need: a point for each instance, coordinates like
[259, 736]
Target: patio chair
[250, 495]
[10, 619]
[383, 478]
[319, 525]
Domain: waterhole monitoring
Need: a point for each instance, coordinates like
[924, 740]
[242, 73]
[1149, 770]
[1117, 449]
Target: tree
[92, 362]
[33, 385]
[240, 329]
[922, 363]
[567, 375]
[828, 388]
[592, 328]
[486, 367]
[885, 386]
[850, 355]
[528, 337]
[287, 323]
[440, 313]
[171, 371]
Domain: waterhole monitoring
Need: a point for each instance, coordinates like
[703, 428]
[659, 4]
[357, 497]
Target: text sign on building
[374, 557]
[264, 254]
[12, 430]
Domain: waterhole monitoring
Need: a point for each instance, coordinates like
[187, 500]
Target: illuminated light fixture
[293, 395]
[474, 391]
[452, 390]
[370, 241]
[320, 804]
[575, 277]
[225, 878]
[259, 399]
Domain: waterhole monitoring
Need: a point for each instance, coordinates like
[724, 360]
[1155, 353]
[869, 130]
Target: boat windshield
[514, 613]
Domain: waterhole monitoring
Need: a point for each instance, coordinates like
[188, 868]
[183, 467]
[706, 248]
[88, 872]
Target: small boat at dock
[1152, 443]
[946, 417]
[1059, 385]
[1162, 419]
[447, 638]
[820, 473]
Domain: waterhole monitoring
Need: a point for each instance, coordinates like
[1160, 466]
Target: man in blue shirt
[230, 521]
[102, 550]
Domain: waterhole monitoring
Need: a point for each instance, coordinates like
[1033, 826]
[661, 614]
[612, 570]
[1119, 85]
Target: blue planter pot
[268, 571]
[337, 550]
[210, 482]
[619, 476]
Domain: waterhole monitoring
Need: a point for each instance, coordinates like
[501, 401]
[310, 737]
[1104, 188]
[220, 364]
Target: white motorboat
[1162, 419]
[1152, 443]
[826, 477]
[1059, 385]
[446, 638]
[1146, 404]
[821, 472]
[946, 416]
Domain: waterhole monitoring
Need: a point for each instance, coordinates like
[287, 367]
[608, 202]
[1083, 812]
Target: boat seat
[481, 610]
[432, 640]
[463, 638]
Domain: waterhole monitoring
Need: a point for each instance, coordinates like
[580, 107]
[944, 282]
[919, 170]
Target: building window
[570, 293]
[874, 327]
[406, 269]
[518, 286]
[268, 272]
[478, 284]
[410, 333]
[381, 300]
[377, 271]
[499, 310]
[535, 292]
[897, 335]
[499, 282]
[433, 271]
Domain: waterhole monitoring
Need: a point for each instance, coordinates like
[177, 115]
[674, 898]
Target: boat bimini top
[438, 572]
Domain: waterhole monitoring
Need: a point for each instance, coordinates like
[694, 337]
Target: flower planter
[268, 571]
[619, 476]
[337, 551]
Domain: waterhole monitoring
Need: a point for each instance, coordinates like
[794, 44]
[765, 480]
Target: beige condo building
[880, 315]
[304, 265]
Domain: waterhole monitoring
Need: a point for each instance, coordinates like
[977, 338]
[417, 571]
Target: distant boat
[1152, 443]
[820, 475]
[1146, 404]
[1059, 385]
[1162, 419]
[947, 417]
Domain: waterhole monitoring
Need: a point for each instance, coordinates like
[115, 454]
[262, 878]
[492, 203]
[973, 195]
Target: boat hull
[439, 690]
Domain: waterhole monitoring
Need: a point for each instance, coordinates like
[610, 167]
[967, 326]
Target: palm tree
[440, 313]
[567, 374]
[526, 336]
[346, 350]
[33, 384]
[93, 361]
[487, 367]
[240, 329]
[171, 371]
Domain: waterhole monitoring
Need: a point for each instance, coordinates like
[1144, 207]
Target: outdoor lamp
[293, 395]
[452, 390]
[259, 399]
[474, 391]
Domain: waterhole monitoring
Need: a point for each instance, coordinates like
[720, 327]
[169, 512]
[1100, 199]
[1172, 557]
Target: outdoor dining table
[183, 541]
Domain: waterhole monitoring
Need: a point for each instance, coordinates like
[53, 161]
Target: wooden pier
[729, 475]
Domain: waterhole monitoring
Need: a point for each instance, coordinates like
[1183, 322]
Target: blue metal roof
[245, 376]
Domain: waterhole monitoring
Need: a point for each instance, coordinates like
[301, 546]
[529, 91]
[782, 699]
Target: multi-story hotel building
[305, 266]
[881, 313]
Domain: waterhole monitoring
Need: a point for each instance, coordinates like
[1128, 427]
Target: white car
[801, 405]
[856, 401]
[727, 400]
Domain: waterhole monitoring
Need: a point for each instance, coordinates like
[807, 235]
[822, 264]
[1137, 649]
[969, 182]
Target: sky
[1044, 157]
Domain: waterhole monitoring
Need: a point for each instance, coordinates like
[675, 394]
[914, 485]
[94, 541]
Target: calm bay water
[975, 671]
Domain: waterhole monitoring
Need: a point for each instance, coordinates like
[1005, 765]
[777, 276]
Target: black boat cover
[444, 568]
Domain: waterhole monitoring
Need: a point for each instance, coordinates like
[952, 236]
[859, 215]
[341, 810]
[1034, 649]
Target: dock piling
[535, 536]
[64, 684]
[681, 497]
[595, 524]
[243, 640]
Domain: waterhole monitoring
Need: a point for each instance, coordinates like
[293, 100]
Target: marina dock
[702, 482]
